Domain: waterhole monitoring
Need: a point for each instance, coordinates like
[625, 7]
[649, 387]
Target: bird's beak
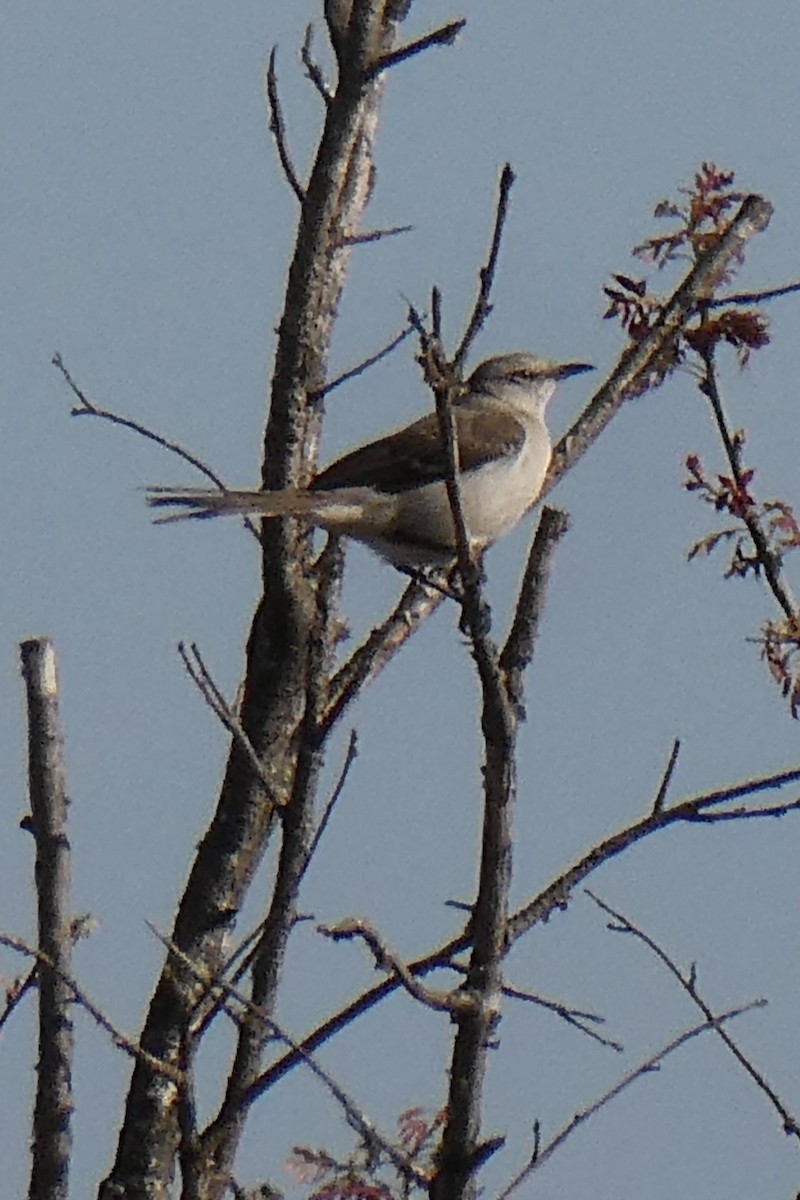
[566, 369]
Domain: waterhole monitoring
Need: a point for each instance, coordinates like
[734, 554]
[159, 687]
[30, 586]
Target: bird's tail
[335, 510]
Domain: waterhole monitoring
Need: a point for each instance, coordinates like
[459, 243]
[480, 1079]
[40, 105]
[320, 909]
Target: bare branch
[277, 127]
[754, 297]
[517, 653]
[312, 68]
[80, 997]
[445, 36]
[573, 1016]
[203, 680]
[386, 640]
[461, 1153]
[535, 911]
[280, 656]
[85, 408]
[745, 814]
[327, 812]
[666, 778]
[52, 1119]
[688, 982]
[436, 314]
[543, 1153]
[483, 307]
[578, 1018]
[386, 960]
[689, 811]
[353, 372]
[16, 993]
[374, 235]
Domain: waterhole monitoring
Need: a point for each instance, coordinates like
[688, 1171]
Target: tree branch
[637, 360]
[764, 552]
[533, 912]
[689, 984]
[543, 1153]
[386, 960]
[483, 306]
[277, 128]
[445, 36]
[52, 1119]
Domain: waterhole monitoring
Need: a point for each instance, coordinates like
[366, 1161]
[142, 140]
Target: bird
[391, 494]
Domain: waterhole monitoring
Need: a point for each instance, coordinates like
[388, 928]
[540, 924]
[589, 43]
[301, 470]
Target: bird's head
[522, 376]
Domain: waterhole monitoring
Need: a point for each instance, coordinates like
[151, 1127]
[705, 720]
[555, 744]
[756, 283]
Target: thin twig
[445, 36]
[80, 997]
[573, 1016]
[312, 68]
[689, 811]
[327, 812]
[203, 680]
[666, 778]
[277, 128]
[754, 297]
[543, 1153]
[386, 960]
[353, 372]
[517, 653]
[483, 307]
[768, 560]
[745, 814]
[373, 235]
[689, 985]
[385, 641]
[87, 409]
[16, 993]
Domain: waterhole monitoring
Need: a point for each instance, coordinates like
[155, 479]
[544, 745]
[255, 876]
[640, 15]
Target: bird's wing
[415, 455]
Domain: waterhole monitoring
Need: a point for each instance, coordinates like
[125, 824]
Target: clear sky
[144, 233]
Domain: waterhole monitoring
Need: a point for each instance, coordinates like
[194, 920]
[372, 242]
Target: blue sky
[145, 231]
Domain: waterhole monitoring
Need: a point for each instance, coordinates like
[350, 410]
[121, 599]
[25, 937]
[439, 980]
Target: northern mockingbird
[391, 494]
